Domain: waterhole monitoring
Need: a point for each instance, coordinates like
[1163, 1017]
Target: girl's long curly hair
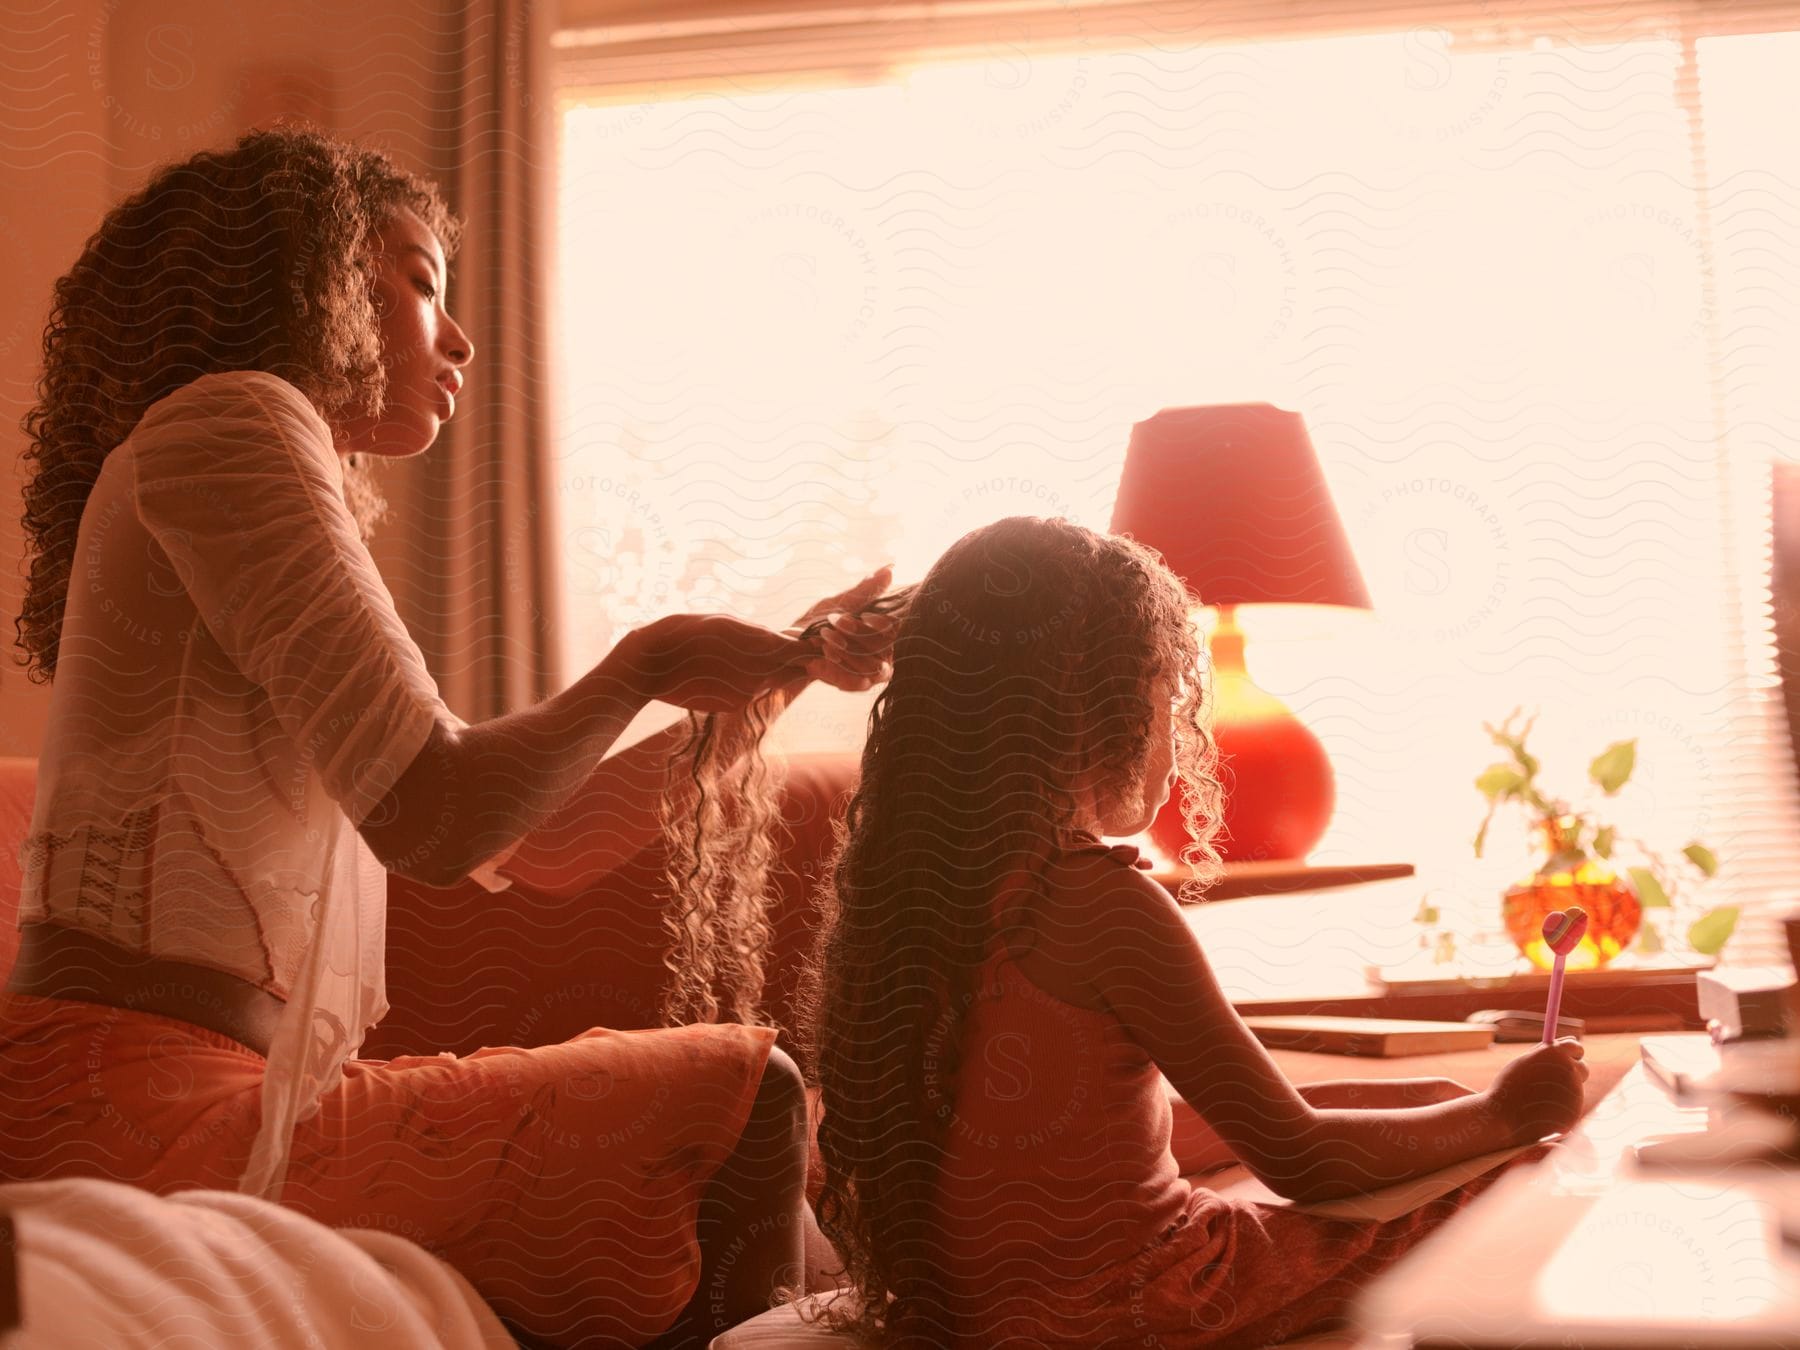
[1024, 669]
[721, 821]
[719, 816]
[262, 256]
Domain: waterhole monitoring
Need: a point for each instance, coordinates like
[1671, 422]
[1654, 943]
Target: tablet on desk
[1678, 1261]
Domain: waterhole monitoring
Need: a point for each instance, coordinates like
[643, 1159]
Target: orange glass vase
[1614, 914]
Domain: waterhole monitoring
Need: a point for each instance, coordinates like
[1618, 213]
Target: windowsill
[1327, 952]
[1244, 879]
[1313, 945]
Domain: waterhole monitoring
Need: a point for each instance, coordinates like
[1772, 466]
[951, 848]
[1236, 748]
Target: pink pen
[1562, 931]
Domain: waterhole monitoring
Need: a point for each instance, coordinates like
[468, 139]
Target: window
[1537, 312]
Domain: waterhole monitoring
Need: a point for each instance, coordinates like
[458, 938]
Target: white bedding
[106, 1265]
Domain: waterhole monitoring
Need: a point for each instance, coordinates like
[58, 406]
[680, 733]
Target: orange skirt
[561, 1181]
[1228, 1274]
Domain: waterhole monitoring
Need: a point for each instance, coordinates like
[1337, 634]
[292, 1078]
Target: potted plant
[1579, 862]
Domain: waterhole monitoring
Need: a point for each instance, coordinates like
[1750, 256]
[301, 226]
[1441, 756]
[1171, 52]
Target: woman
[242, 736]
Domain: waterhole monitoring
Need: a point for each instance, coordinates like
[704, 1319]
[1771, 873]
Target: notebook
[1378, 1206]
[1372, 1037]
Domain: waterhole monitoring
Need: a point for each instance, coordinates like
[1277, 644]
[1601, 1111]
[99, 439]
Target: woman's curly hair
[1024, 669]
[262, 256]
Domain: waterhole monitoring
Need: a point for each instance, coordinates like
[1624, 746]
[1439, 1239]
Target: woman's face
[423, 349]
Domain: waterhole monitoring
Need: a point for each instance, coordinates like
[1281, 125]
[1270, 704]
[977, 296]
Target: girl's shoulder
[1068, 868]
[1056, 925]
[1086, 879]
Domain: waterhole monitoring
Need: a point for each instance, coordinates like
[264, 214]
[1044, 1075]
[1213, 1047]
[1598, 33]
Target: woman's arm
[1128, 943]
[473, 791]
[236, 481]
[617, 812]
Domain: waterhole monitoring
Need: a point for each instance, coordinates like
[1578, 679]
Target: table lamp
[1233, 499]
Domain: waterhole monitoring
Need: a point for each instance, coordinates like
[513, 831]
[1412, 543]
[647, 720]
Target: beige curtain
[480, 539]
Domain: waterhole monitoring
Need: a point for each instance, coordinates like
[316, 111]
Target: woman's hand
[854, 652]
[1540, 1092]
[712, 663]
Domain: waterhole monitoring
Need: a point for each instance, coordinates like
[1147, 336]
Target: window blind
[610, 45]
[1737, 91]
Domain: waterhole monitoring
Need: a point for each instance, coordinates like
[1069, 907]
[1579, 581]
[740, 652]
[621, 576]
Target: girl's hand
[853, 652]
[712, 663]
[1540, 1092]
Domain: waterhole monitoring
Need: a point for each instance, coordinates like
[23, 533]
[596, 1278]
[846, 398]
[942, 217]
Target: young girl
[1001, 994]
[242, 735]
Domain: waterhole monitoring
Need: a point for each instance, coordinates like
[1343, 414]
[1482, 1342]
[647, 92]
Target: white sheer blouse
[234, 692]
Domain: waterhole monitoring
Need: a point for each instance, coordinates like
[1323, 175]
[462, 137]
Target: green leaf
[1712, 930]
[1649, 890]
[1603, 841]
[1500, 780]
[1649, 940]
[1613, 765]
[1481, 834]
[1703, 858]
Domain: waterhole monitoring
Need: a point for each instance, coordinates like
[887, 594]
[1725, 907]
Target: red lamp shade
[1233, 498]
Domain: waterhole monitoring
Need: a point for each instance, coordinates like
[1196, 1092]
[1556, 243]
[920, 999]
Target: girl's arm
[1198, 1148]
[1129, 946]
[1362, 1094]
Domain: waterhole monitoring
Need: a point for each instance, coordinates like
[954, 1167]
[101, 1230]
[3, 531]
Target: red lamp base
[1279, 788]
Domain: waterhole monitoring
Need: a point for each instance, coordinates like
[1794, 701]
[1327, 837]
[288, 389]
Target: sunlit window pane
[810, 331]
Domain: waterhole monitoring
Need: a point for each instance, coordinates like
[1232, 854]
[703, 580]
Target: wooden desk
[1610, 1059]
[1650, 1000]
[1587, 1250]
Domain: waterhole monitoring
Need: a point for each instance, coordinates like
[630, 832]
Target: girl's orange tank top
[1057, 1160]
